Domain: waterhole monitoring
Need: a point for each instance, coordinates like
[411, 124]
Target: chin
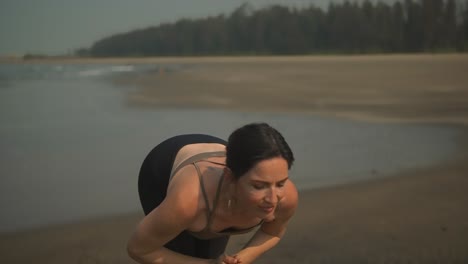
[269, 218]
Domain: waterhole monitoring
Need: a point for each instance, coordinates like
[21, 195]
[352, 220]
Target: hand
[225, 259]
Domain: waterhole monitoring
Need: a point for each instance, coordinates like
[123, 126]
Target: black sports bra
[207, 233]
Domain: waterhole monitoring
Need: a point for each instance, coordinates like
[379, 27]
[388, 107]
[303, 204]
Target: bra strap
[195, 158]
[202, 187]
[215, 203]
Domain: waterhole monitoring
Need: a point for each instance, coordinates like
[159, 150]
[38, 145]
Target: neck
[227, 202]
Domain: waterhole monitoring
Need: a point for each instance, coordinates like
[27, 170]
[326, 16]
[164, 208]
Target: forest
[344, 28]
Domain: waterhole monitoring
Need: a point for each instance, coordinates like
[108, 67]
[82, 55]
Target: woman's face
[262, 187]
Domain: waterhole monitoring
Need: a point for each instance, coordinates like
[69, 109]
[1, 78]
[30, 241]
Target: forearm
[164, 255]
[259, 244]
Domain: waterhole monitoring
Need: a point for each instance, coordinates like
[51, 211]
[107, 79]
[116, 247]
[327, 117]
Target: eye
[258, 186]
[281, 184]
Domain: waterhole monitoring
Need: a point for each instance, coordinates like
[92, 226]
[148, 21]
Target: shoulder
[179, 209]
[177, 212]
[288, 204]
[183, 192]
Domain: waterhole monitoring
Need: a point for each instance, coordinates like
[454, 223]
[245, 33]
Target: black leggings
[152, 187]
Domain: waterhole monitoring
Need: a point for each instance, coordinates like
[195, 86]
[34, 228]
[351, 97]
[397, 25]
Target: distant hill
[347, 27]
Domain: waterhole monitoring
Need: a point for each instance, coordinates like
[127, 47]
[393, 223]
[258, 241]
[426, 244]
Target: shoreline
[415, 87]
[227, 58]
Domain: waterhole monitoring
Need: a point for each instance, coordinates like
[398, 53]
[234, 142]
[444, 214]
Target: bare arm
[164, 223]
[270, 233]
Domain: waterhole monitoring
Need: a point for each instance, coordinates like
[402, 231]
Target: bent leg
[152, 188]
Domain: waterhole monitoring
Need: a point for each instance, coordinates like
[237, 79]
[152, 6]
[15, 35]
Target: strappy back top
[207, 233]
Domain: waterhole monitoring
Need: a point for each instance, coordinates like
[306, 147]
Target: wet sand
[417, 216]
[410, 88]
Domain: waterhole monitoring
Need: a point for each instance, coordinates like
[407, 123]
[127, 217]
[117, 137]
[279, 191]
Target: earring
[229, 204]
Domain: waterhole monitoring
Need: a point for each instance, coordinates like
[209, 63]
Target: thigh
[189, 245]
[212, 248]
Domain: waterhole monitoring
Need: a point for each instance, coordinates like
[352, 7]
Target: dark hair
[253, 143]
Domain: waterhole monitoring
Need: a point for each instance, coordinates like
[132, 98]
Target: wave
[17, 72]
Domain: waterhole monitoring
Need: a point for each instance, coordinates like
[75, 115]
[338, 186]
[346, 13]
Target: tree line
[347, 27]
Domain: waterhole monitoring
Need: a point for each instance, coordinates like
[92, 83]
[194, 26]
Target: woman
[197, 190]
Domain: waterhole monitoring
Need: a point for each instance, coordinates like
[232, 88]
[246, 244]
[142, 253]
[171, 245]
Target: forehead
[274, 169]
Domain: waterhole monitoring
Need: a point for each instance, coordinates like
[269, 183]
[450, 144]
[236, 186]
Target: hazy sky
[59, 26]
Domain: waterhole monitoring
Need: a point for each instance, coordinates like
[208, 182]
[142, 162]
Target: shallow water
[70, 148]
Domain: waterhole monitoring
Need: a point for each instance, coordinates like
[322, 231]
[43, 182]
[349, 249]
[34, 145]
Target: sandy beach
[410, 88]
[416, 216]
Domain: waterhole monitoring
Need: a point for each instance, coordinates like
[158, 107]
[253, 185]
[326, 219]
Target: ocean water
[71, 148]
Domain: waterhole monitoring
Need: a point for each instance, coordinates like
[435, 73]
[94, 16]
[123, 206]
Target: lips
[267, 209]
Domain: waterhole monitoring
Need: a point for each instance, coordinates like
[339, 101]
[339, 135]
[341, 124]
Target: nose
[272, 196]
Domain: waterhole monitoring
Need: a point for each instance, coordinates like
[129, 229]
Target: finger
[238, 260]
[230, 260]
